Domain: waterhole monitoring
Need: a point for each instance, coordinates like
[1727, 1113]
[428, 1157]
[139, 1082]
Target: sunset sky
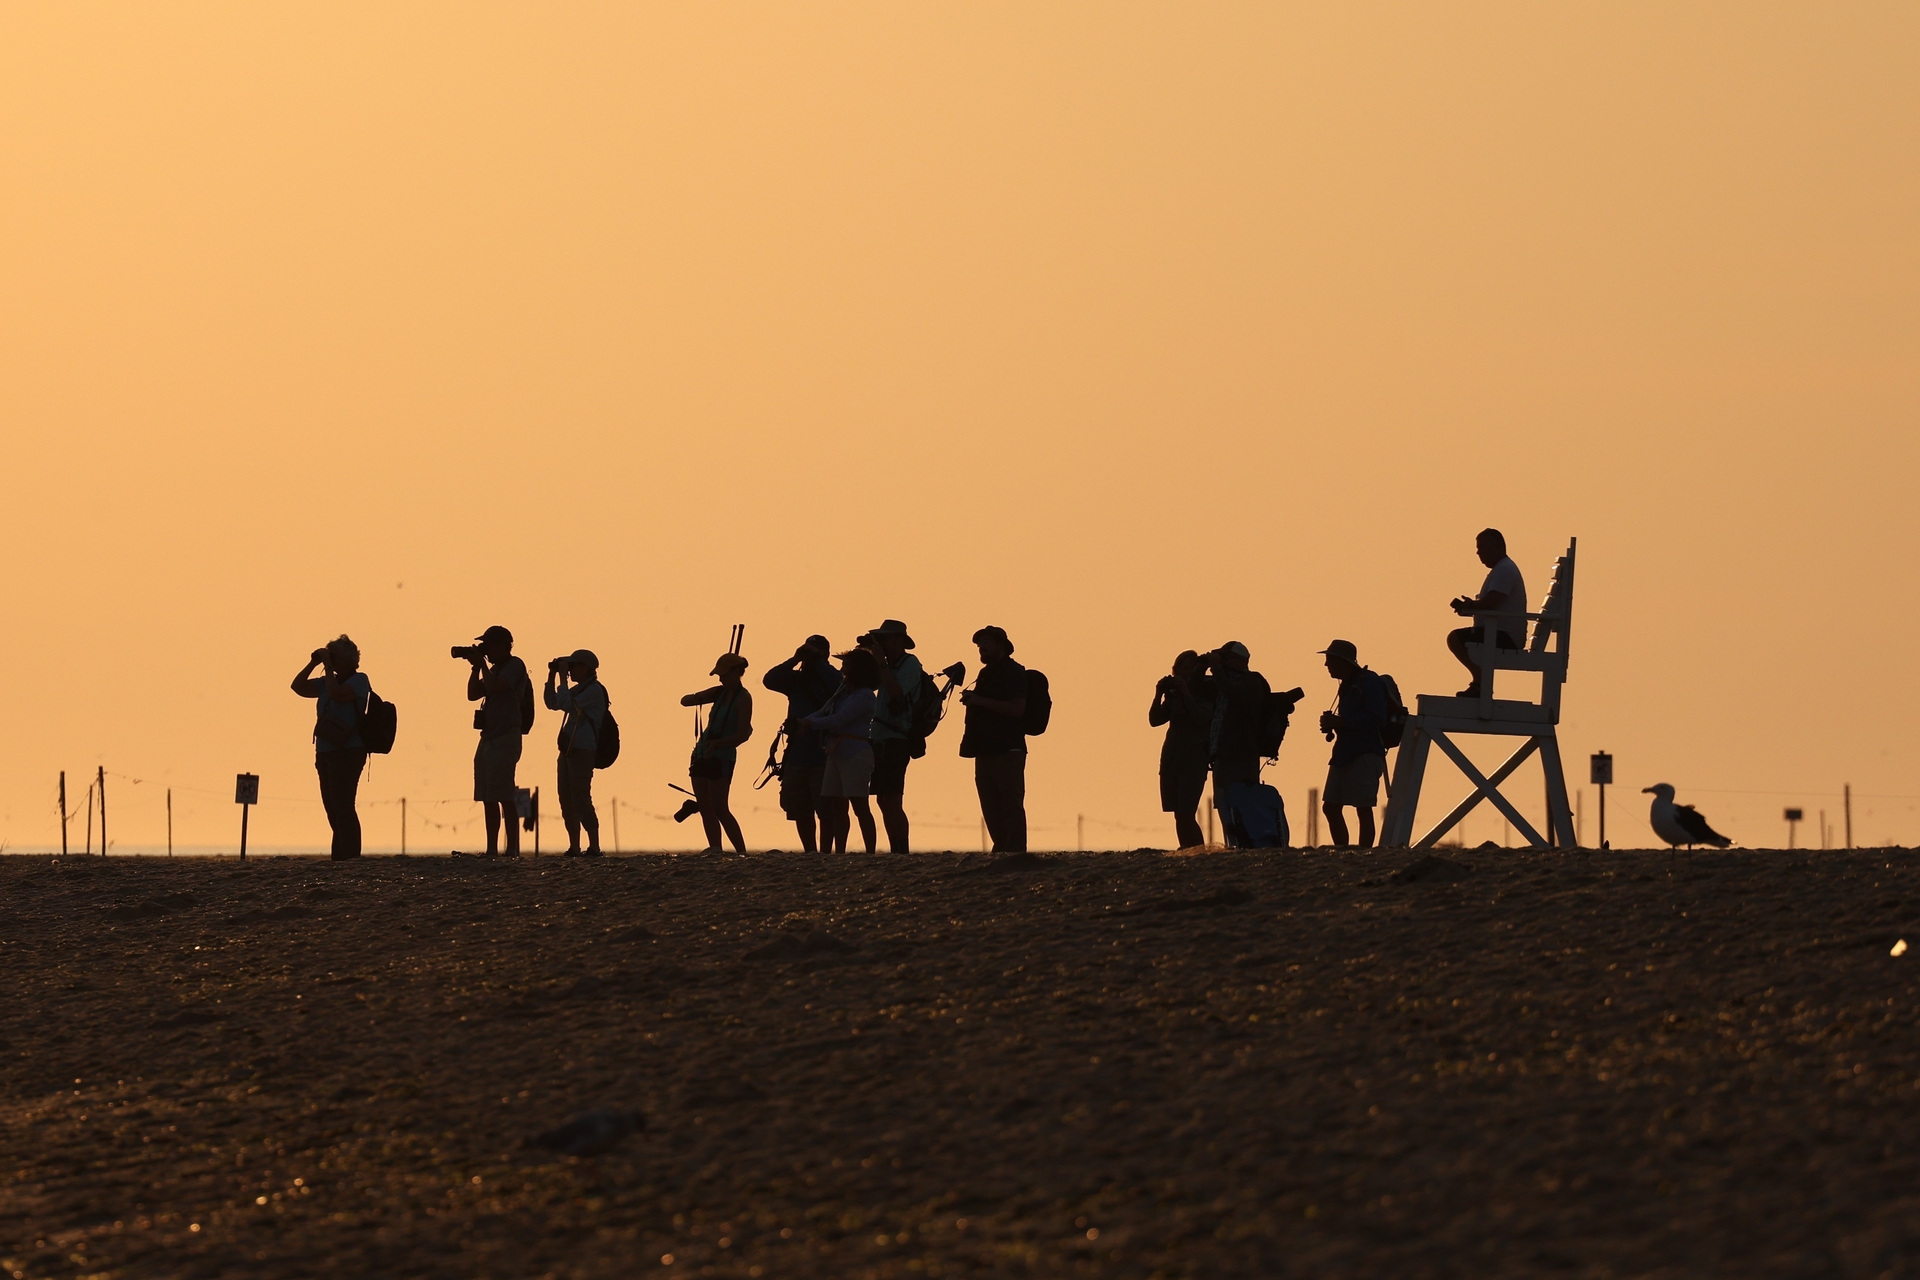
[1130, 328]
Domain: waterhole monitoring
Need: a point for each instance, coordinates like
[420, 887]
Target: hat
[728, 662]
[820, 643]
[495, 633]
[891, 627]
[583, 658]
[997, 633]
[1342, 649]
[1234, 648]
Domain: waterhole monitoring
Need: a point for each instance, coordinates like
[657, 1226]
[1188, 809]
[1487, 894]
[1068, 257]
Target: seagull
[1679, 823]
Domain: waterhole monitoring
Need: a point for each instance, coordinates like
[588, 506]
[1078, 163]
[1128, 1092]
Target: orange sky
[1127, 327]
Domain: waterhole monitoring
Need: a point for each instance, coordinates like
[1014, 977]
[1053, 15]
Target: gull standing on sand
[1679, 823]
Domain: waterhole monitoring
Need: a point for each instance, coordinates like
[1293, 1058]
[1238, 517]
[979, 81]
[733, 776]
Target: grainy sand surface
[1118, 1064]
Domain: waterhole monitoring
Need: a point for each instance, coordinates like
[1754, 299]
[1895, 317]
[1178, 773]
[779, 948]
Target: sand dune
[1121, 1064]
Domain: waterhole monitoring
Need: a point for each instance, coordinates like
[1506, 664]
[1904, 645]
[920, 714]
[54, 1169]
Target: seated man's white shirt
[1511, 617]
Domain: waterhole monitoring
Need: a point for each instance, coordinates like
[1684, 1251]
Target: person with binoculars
[500, 684]
[339, 753]
[573, 686]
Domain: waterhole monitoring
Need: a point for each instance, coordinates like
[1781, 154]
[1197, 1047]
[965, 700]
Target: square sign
[246, 789]
[1602, 765]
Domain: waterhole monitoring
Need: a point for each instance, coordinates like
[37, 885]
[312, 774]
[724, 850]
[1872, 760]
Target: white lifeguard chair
[1437, 718]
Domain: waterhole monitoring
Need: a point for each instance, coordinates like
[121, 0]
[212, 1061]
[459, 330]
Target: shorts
[1180, 791]
[493, 762]
[708, 767]
[1355, 784]
[848, 775]
[800, 789]
[891, 756]
[1229, 771]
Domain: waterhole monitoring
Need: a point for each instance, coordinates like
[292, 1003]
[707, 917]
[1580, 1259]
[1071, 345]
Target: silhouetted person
[1239, 717]
[1359, 753]
[573, 686]
[1503, 594]
[1178, 704]
[844, 723]
[729, 724]
[902, 684]
[808, 680]
[339, 755]
[995, 740]
[499, 682]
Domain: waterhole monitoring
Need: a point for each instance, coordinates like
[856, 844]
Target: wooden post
[403, 826]
[1080, 833]
[63, 813]
[1603, 815]
[1313, 817]
[245, 809]
[246, 794]
[169, 822]
[103, 811]
[1847, 792]
[616, 824]
[536, 822]
[88, 851]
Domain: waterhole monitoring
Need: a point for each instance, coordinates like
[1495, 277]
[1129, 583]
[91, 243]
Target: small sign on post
[246, 794]
[1793, 817]
[1600, 773]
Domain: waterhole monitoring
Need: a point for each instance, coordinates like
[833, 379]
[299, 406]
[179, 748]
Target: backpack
[379, 725]
[526, 707]
[1279, 711]
[1039, 704]
[1396, 726]
[606, 744]
[1256, 816]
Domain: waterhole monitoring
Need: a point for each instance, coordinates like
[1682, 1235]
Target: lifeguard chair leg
[1403, 795]
[1559, 812]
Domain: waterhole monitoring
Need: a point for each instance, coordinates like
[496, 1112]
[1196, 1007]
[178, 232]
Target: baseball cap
[584, 658]
[729, 662]
[1235, 648]
[820, 643]
[493, 633]
[1342, 649]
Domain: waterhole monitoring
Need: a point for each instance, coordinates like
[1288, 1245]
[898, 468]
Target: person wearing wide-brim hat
[729, 724]
[903, 682]
[573, 686]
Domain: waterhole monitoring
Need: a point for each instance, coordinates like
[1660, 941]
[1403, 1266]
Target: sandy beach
[1119, 1064]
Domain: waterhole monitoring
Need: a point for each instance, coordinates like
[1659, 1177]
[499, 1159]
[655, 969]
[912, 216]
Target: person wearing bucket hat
[903, 683]
[995, 740]
[729, 724]
[573, 686]
[1359, 752]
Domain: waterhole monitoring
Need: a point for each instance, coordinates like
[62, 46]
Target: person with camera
[573, 687]
[995, 740]
[1359, 758]
[844, 722]
[1239, 717]
[1503, 596]
[729, 725]
[1179, 704]
[808, 680]
[339, 754]
[903, 682]
[499, 682]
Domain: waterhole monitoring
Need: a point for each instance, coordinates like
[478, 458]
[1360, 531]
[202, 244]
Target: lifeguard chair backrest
[1556, 612]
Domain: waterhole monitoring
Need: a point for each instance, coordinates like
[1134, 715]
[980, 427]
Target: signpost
[1602, 773]
[246, 794]
[1793, 818]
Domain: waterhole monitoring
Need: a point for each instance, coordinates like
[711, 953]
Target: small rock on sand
[592, 1134]
[1431, 870]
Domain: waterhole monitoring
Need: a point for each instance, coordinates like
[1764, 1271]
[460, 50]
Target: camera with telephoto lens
[469, 652]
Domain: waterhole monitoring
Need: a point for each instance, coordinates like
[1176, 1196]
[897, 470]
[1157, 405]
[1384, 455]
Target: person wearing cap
[808, 680]
[903, 682]
[1359, 752]
[995, 740]
[1239, 716]
[573, 686]
[341, 692]
[499, 682]
[729, 724]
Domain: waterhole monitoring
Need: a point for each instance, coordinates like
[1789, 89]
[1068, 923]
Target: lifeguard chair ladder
[1438, 717]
